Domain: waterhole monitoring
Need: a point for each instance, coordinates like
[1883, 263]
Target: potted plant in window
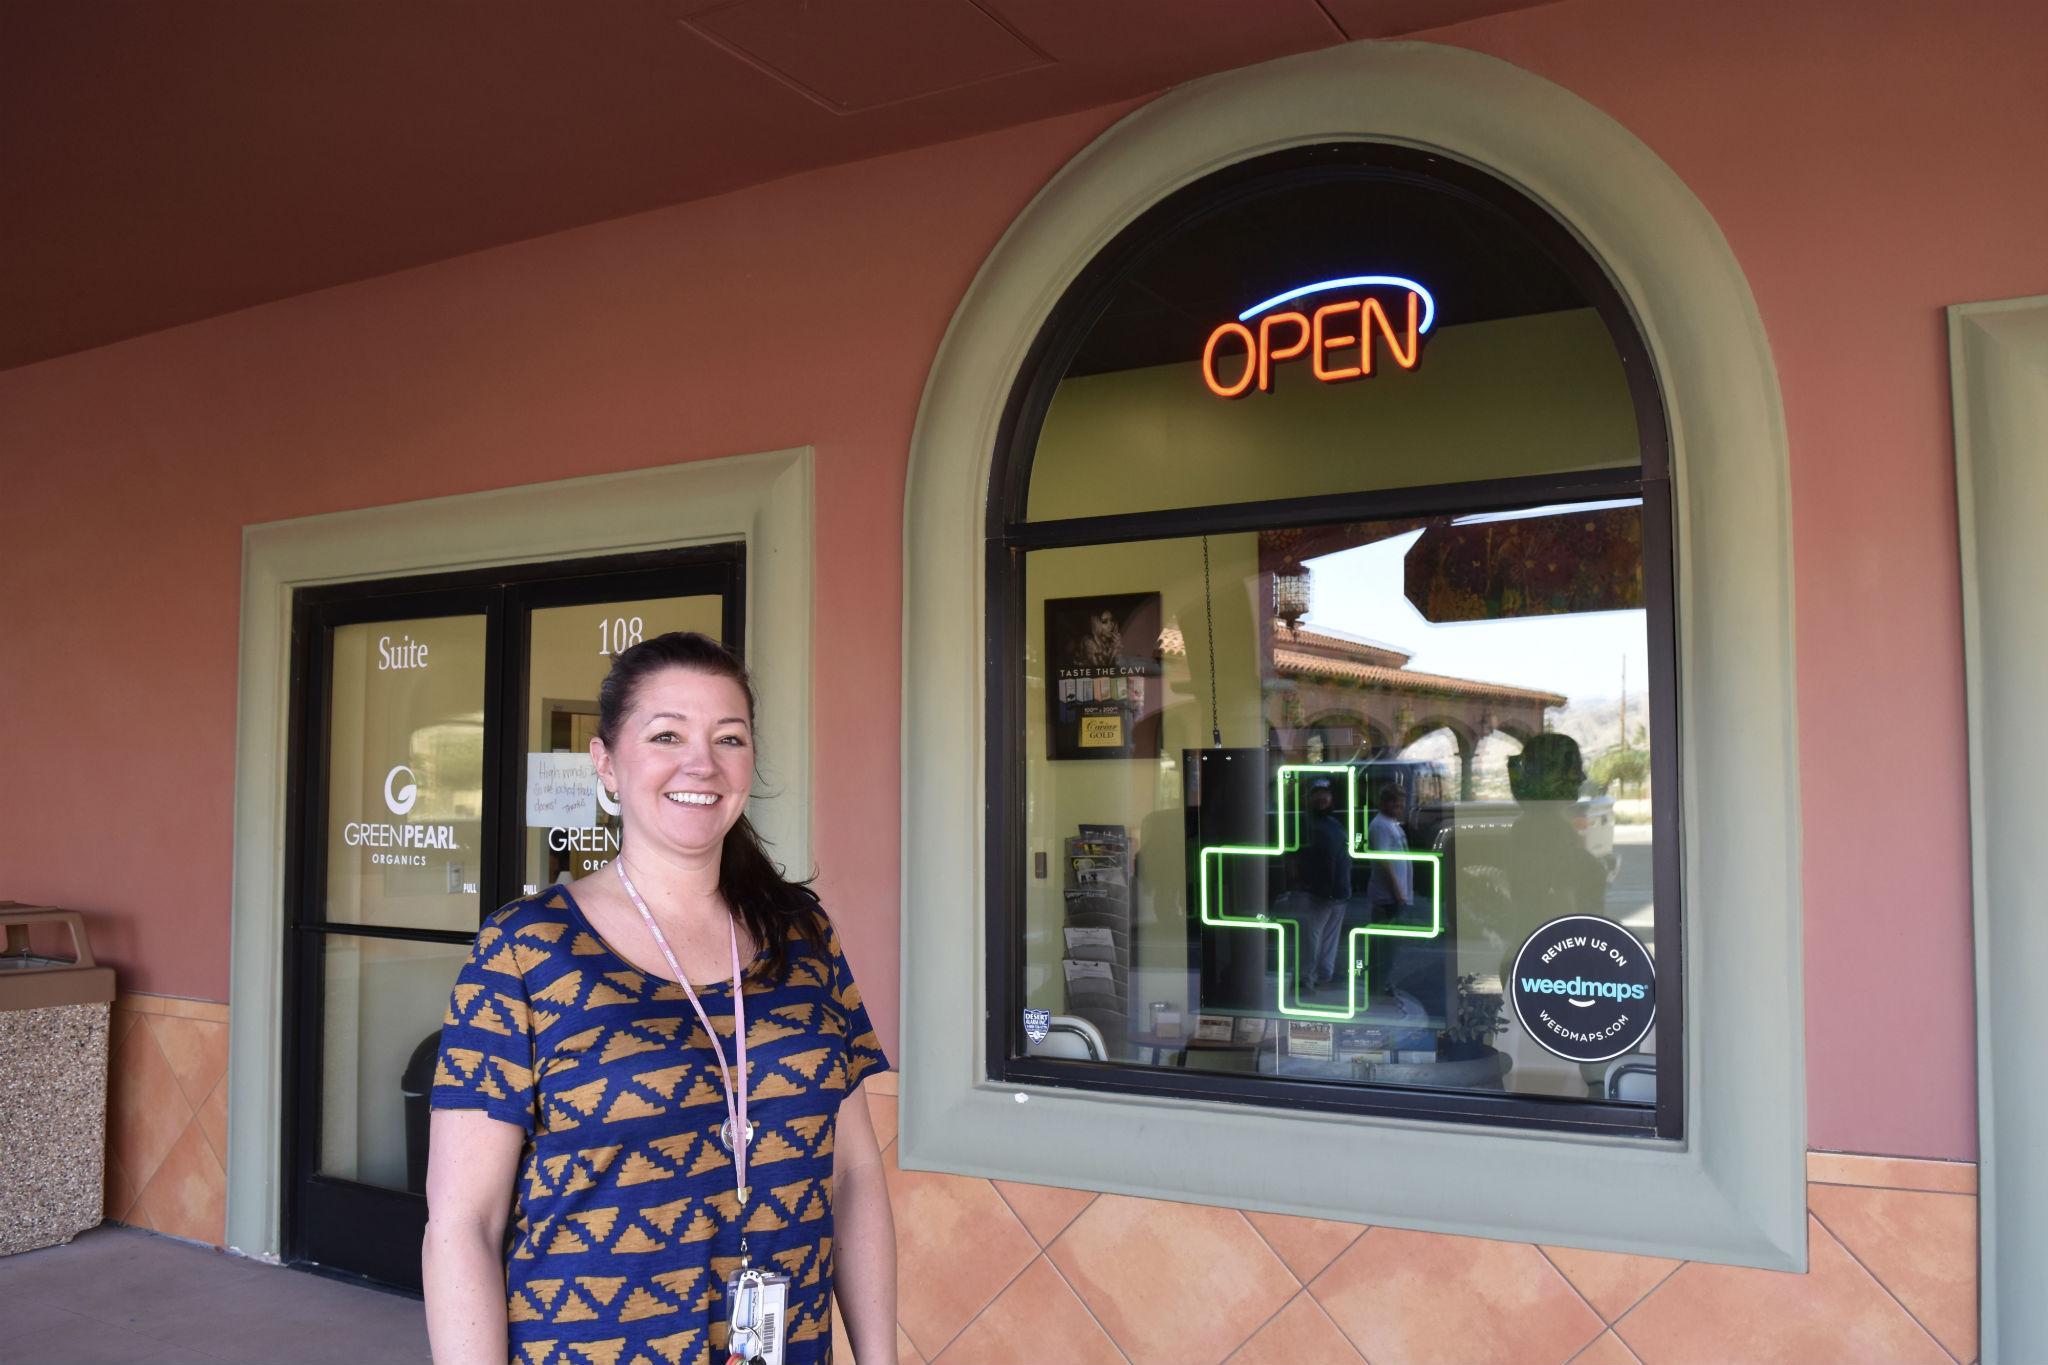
[1465, 1056]
[1481, 1014]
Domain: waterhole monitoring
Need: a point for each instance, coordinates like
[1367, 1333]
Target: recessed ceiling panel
[850, 55]
[1392, 18]
[1166, 36]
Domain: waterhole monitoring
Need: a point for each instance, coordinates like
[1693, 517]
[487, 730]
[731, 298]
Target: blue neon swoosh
[1428, 303]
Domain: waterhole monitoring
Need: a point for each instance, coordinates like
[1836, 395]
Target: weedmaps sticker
[1584, 988]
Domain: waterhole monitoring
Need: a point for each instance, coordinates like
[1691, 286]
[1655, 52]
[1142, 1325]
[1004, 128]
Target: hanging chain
[1209, 614]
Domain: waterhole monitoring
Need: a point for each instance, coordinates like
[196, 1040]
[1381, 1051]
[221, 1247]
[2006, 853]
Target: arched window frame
[1732, 1188]
[1013, 534]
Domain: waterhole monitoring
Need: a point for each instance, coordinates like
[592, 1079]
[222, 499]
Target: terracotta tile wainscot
[998, 1273]
[167, 1116]
[995, 1273]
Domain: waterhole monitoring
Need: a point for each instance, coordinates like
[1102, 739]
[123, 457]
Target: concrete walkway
[118, 1294]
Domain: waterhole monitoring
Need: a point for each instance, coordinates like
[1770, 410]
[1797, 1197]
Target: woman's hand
[472, 1163]
[864, 1240]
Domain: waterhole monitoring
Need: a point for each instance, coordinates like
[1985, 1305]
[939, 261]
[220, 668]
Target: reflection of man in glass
[1392, 889]
[1551, 872]
[1323, 875]
[1418, 967]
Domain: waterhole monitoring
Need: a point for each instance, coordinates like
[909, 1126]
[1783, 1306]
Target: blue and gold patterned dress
[623, 1231]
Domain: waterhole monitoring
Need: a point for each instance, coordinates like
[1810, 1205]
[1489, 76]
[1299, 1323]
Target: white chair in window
[1631, 1078]
[1070, 1036]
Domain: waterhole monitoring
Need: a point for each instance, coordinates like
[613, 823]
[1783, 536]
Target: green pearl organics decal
[1287, 808]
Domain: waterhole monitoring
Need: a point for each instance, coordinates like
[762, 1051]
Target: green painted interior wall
[1530, 395]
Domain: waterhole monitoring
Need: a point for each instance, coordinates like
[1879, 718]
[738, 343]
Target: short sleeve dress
[624, 1227]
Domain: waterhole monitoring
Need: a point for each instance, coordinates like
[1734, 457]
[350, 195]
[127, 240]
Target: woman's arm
[864, 1239]
[472, 1162]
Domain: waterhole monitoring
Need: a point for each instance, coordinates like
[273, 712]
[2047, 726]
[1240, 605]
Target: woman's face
[683, 763]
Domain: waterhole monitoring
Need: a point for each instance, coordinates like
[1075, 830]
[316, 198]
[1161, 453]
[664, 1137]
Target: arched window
[987, 808]
[1335, 473]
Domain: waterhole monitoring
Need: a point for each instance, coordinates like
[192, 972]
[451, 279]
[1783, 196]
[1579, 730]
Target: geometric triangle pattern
[626, 1221]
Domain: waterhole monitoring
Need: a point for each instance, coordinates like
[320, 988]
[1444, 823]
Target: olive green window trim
[763, 500]
[1998, 356]
[1734, 1190]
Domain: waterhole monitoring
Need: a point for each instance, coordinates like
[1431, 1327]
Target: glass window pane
[384, 1000]
[1435, 740]
[405, 773]
[1366, 329]
[571, 830]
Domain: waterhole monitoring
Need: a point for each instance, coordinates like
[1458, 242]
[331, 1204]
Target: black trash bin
[418, 1086]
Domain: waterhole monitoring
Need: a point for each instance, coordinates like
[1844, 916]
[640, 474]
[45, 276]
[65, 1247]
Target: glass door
[440, 767]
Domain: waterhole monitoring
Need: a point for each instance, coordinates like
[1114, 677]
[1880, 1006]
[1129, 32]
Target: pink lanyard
[735, 1100]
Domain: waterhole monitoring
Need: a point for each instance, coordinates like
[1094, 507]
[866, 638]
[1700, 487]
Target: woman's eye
[738, 740]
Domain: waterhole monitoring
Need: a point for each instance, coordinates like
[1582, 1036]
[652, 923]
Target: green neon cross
[1210, 897]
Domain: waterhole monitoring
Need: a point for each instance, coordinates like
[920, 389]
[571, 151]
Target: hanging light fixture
[1291, 595]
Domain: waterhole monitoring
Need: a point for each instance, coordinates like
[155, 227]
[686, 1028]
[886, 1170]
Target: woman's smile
[683, 764]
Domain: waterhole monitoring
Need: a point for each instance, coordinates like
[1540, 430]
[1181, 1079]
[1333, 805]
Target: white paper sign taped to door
[561, 791]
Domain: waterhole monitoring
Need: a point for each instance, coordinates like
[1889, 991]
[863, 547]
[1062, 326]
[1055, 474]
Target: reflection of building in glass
[1354, 698]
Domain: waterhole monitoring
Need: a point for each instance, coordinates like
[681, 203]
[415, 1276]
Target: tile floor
[118, 1294]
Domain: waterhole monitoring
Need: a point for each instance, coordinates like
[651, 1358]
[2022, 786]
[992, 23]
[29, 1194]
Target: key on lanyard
[743, 1336]
[759, 1303]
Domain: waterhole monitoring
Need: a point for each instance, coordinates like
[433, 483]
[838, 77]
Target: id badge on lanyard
[758, 1305]
[757, 1301]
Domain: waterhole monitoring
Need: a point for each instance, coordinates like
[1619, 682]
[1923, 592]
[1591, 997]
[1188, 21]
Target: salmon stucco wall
[1869, 163]
[804, 312]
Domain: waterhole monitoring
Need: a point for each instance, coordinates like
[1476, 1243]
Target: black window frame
[360, 1223]
[1010, 536]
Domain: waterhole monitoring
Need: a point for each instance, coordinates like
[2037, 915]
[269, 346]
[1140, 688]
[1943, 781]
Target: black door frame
[349, 1228]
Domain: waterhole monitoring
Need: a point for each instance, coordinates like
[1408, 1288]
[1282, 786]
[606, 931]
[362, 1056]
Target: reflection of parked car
[1432, 804]
[1592, 816]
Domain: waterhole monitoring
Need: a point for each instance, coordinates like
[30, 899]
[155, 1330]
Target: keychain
[759, 1300]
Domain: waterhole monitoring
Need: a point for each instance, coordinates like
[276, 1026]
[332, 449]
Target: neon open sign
[1342, 330]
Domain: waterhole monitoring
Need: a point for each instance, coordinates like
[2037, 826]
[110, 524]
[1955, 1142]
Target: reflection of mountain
[1595, 722]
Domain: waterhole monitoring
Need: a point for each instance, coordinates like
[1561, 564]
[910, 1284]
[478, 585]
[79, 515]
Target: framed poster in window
[1103, 695]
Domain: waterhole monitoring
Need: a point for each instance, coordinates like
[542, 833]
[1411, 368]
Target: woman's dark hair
[769, 904]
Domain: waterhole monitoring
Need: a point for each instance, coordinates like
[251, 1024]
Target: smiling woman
[621, 1051]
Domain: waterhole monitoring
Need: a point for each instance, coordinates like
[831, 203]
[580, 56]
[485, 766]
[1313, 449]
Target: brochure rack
[1096, 937]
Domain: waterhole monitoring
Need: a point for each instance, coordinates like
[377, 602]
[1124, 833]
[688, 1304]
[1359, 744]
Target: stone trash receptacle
[53, 1079]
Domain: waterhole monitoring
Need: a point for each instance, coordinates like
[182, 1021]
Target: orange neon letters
[1375, 313]
[1251, 360]
[1267, 353]
[1316, 337]
[1328, 343]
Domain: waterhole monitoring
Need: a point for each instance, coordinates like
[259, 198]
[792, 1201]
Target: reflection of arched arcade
[1365, 735]
[1490, 762]
[1352, 698]
[1463, 743]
